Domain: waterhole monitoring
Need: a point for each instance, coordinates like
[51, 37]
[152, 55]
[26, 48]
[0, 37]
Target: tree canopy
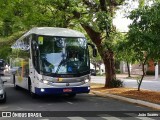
[143, 36]
[144, 32]
[93, 16]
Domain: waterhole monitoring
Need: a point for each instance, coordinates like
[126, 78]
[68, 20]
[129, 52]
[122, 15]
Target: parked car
[2, 91]
[93, 72]
[2, 66]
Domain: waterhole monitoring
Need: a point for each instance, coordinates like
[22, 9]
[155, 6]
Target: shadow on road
[21, 96]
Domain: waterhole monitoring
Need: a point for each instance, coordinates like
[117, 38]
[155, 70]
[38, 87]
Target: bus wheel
[14, 83]
[72, 95]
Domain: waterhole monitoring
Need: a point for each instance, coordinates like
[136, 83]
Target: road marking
[76, 118]
[43, 119]
[70, 103]
[19, 108]
[2, 108]
[111, 118]
[108, 117]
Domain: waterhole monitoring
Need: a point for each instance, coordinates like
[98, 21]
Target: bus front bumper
[54, 91]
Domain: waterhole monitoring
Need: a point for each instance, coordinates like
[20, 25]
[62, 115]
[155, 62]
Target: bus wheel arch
[14, 82]
[33, 95]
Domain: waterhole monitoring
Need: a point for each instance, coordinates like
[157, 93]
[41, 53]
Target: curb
[141, 102]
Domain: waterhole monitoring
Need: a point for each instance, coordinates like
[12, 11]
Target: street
[20, 100]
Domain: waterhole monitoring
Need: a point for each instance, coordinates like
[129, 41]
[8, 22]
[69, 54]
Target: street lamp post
[156, 71]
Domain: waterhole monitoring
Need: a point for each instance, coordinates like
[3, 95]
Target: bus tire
[14, 83]
[33, 95]
[14, 80]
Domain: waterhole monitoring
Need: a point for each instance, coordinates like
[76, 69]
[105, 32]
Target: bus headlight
[86, 81]
[45, 81]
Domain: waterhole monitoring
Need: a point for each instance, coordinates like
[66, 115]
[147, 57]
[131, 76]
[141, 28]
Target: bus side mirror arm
[94, 49]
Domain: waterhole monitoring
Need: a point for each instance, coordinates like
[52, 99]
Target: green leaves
[5, 44]
[144, 31]
[5, 52]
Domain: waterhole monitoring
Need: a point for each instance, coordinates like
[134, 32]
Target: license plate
[67, 90]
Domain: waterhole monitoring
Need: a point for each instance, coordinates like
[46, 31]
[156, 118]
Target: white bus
[48, 61]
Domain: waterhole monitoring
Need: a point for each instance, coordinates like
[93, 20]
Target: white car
[2, 66]
[2, 92]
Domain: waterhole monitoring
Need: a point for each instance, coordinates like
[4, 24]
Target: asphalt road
[82, 107]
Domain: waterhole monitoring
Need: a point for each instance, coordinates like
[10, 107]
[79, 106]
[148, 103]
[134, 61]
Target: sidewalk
[147, 77]
[148, 96]
[149, 82]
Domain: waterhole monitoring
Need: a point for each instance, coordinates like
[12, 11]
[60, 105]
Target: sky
[121, 22]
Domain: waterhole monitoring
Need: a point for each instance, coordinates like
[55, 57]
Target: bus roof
[54, 31]
[49, 31]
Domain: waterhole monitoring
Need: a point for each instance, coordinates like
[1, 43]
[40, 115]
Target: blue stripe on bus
[52, 91]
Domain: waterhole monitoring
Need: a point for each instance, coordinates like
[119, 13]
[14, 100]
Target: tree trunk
[143, 74]
[95, 67]
[109, 69]
[140, 82]
[106, 54]
[129, 72]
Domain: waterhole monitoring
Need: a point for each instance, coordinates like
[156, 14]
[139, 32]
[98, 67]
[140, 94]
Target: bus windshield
[63, 55]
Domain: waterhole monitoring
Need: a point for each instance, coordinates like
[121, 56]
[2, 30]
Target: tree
[5, 44]
[94, 16]
[143, 36]
[97, 62]
[20, 15]
[96, 19]
[124, 53]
